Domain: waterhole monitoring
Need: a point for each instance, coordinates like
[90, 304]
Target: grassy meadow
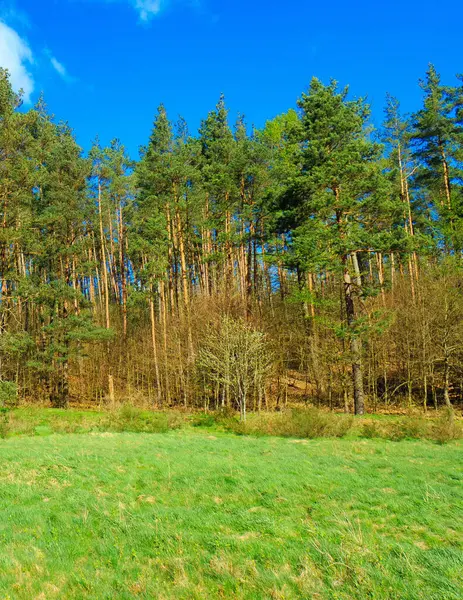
[198, 512]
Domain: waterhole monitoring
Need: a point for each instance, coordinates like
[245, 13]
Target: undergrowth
[133, 419]
[305, 423]
[298, 423]
[442, 429]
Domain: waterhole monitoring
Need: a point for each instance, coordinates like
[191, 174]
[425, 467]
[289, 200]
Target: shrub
[301, 423]
[203, 420]
[8, 393]
[342, 425]
[371, 429]
[446, 428]
[238, 427]
[225, 412]
[307, 423]
[175, 420]
[313, 423]
[4, 422]
[408, 428]
[130, 418]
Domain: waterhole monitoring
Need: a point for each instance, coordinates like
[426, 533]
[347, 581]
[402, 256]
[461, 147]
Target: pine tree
[217, 144]
[337, 200]
[64, 321]
[438, 137]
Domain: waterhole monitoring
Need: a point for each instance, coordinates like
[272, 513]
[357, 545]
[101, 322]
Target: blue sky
[105, 65]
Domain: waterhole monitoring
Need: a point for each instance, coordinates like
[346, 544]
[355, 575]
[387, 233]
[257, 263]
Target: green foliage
[339, 190]
[321, 239]
[8, 393]
[438, 136]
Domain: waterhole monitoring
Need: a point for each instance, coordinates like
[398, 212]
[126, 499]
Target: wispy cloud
[10, 13]
[149, 8]
[16, 55]
[59, 67]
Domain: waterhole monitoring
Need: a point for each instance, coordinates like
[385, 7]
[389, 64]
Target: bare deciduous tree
[236, 357]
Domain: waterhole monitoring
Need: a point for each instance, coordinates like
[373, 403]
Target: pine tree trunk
[155, 349]
[183, 265]
[163, 311]
[122, 271]
[355, 342]
[206, 248]
[170, 254]
[445, 168]
[355, 345]
[104, 268]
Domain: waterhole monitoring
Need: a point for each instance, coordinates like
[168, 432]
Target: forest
[317, 260]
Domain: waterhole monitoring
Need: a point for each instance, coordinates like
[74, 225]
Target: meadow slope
[188, 514]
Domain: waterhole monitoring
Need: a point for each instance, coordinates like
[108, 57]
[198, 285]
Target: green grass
[190, 514]
[41, 421]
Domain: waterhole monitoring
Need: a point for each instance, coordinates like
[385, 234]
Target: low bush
[204, 420]
[18, 425]
[236, 426]
[8, 394]
[408, 428]
[300, 423]
[133, 419]
[313, 423]
[4, 422]
[371, 429]
[310, 423]
[442, 430]
[446, 428]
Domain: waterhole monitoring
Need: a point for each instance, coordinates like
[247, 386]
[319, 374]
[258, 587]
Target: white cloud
[59, 67]
[148, 8]
[15, 54]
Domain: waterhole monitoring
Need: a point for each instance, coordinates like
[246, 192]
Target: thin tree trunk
[183, 265]
[123, 271]
[155, 349]
[355, 342]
